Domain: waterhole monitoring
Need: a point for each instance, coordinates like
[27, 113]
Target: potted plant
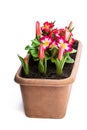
[48, 71]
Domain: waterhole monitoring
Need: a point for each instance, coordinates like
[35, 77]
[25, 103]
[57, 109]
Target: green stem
[58, 67]
[45, 66]
[42, 66]
[26, 69]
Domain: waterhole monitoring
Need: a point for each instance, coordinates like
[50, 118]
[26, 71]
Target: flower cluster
[50, 43]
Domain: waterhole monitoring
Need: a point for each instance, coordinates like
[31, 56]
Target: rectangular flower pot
[46, 98]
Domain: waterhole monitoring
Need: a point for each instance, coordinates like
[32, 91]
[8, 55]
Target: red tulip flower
[68, 34]
[41, 52]
[60, 53]
[38, 29]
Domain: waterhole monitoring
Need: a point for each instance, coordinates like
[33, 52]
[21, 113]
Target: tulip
[60, 53]
[26, 67]
[26, 60]
[41, 52]
[71, 24]
[67, 34]
[63, 47]
[38, 29]
[70, 27]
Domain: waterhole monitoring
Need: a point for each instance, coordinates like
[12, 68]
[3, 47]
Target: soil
[51, 70]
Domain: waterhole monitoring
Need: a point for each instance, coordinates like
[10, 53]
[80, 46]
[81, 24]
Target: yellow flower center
[46, 43]
[46, 26]
[63, 45]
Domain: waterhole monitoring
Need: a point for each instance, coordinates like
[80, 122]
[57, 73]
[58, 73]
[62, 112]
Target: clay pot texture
[46, 98]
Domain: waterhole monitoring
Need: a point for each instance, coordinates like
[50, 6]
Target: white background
[17, 20]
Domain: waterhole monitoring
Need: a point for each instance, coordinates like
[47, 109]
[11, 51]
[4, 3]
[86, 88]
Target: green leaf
[71, 29]
[52, 60]
[35, 43]
[54, 52]
[35, 59]
[69, 60]
[60, 63]
[63, 61]
[24, 65]
[42, 66]
[47, 55]
[27, 47]
[73, 51]
[34, 52]
[22, 61]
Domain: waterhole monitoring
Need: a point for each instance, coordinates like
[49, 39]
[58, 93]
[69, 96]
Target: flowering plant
[52, 44]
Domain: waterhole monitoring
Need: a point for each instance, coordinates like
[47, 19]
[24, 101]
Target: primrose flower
[47, 27]
[62, 43]
[41, 52]
[54, 34]
[53, 44]
[46, 40]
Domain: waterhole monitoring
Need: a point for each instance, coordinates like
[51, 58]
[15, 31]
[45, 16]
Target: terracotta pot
[46, 98]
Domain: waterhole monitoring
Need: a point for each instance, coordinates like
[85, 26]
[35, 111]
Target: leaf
[69, 60]
[35, 59]
[47, 54]
[63, 61]
[24, 65]
[34, 52]
[27, 47]
[52, 60]
[54, 51]
[22, 61]
[42, 66]
[47, 57]
[73, 51]
[35, 43]
[71, 29]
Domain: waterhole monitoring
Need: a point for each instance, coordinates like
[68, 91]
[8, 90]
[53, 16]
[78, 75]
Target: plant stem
[58, 67]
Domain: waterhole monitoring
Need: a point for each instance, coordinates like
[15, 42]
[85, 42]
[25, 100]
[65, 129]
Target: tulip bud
[60, 53]
[38, 30]
[70, 25]
[41, 52]
[67, 34]
[26, 60]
